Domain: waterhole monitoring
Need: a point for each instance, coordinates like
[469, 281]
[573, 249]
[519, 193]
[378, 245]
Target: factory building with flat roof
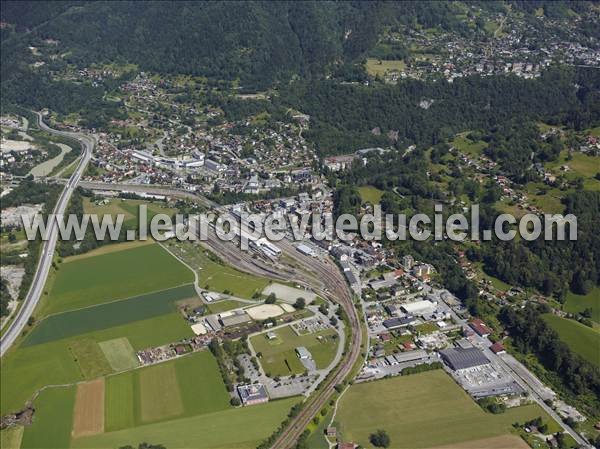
[461, 358]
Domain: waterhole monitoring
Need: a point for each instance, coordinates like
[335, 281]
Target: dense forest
[343, 116]
[553, 267]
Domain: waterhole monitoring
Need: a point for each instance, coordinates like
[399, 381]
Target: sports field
[578, 303]
[103, 316]
[583, 340]
[114, 275]
[238, 428]
[422, 411]
[278, 356]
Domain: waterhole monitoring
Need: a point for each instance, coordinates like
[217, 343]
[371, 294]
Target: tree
[235, 401]
[324, 309]
[300, 303]
[380, 438]
[271, 299]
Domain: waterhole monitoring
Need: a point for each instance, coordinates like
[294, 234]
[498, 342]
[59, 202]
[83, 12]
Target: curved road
[48, 246]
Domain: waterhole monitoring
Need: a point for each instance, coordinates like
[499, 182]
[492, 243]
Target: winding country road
[45, 262]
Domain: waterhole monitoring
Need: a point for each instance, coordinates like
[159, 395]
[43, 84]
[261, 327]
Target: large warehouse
[418, 307]
[460, 358]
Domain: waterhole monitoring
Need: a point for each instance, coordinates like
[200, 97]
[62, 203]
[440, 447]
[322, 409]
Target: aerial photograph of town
[299, 224]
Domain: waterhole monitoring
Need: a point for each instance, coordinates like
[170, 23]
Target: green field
[11, 438]
[583, 340]
[578, 303]
[90, 358]
[103, 316]
[119, 400]
[119, 353]
[89, 281]
[215, 276]
[187, 386]
[28, 368]
[224, 306]
[380, 67]
[467, 146]
[370, 194]
[279, 357]
[239, 428]
[421, 411]
[53, 419]
[129, 209]
[581, 165]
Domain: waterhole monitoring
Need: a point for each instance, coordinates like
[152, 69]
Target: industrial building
[234, 318]
[418, 307]
[306, 250]
[252, 394]
[460, 359]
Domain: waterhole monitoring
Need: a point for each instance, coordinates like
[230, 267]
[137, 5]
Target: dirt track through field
[88, 418]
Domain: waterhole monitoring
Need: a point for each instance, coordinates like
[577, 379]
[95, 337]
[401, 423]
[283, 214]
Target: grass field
[381, 67]
[279, 357]
[183, 387]
[106, 277]
[90, 358]
[215, 276]
[578, 303]
[239, 428]
[370, 194]
[580, 165]
[103, 316]
[467, 146]
[119, 353]
[53, 420]
[28, 368]
[129, 208]
[583, 340]
[160, 397]
[11, 438]
[422, 411]
[224, 306]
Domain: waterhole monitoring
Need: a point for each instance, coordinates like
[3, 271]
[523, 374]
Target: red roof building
[480, 327]
[498, 348]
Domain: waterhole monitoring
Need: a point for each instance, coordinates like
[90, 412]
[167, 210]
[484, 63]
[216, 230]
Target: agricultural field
[116, 313]
[235, 428]
[370, 194]
[380, 67]
[114, 275]
[214, 275]
[31, 367]
[183, 387]
[279, 357]
[53, 420]
[583, 340]
[119, 353]
[128, 208]
[429, 410]
[11, 438]
[89, 408]
[578, 303]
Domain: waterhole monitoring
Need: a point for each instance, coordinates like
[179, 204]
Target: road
[48, 246]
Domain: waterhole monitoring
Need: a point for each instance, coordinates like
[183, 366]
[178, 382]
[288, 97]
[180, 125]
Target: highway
[45, 262]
